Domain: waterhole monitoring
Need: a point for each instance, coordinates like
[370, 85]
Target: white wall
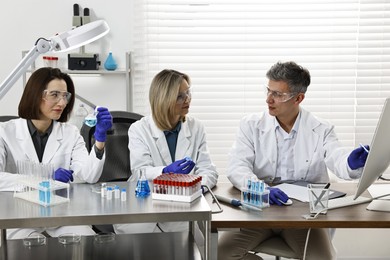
[23, 22]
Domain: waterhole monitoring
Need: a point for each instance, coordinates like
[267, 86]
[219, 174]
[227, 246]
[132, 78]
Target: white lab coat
[149, 150]
[316, 149]
[65, 148]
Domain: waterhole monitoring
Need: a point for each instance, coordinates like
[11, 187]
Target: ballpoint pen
[365, 149]
[322, 194]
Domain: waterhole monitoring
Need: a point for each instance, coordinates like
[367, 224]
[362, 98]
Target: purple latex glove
[63, 175]
[275, 194]
[104, 123]
[184, 166]
[358, 157]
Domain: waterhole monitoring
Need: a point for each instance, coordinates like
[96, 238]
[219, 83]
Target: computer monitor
[378, 159]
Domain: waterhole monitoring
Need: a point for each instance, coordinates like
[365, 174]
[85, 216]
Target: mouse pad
[332, 193]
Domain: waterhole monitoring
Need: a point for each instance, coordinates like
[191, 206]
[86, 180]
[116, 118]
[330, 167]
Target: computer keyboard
[347, 201]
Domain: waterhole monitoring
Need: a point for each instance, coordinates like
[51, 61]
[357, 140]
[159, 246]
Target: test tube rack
[177, 187]
[42, 192]
[255, 194]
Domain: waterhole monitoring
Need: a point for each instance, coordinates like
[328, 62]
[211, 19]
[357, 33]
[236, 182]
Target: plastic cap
[50, 58]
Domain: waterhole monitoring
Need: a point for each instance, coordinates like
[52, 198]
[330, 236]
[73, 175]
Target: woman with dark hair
[42, 135]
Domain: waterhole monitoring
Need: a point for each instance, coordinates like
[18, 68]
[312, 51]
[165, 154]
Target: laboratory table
[133, 246]
[291, 216]
[86, 207]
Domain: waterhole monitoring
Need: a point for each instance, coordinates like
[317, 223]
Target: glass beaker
[142, 189]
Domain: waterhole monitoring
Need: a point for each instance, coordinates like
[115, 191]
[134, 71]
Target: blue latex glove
[180, 166]
[358, 158]
[275, 194]
[104, 123]
[63, 175]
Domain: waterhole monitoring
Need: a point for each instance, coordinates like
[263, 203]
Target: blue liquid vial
[142, 189]
[90, 121]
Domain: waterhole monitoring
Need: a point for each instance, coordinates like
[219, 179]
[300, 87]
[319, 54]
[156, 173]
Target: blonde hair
[163, 93]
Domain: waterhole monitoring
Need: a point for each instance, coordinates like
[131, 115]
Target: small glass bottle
[109, 193]
[117, 192]
[103, 190]
[123, 194]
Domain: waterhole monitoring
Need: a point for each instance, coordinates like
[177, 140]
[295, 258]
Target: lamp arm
[42, 46]
[89, 103]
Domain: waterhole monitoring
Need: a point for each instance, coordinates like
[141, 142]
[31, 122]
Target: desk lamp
[62, 42]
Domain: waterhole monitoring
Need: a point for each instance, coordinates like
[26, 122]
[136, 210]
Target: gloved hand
[104, 123]
[275, 194]
[63, 175]
[180, 166]
[358, 158]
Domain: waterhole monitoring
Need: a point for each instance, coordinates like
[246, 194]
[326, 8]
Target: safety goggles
[279, 97]
[54, 96]
[182, 97]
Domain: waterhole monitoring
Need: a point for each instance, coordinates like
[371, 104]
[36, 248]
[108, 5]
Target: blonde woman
[160, 142]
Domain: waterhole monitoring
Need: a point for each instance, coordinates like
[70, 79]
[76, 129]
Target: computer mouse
[287, 203]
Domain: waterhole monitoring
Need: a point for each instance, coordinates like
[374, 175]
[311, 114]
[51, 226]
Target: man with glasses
[286, 144]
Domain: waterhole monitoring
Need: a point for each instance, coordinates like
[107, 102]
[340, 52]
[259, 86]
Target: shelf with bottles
[101, 71]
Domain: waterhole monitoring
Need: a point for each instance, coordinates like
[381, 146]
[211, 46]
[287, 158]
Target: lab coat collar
[23, 137]
[306, 137]
[161, 142]
[53, 143]
[295, 126]
[307, 140]
[183, 141]
[305, 118]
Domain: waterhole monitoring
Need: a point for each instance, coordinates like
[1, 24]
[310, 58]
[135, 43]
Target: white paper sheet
[376, 190]
[294, 191]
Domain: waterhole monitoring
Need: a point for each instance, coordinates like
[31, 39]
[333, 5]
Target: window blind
[227, 46]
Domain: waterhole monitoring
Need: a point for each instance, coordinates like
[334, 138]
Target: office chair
[277, 247]
[117, 164]
[7, 118]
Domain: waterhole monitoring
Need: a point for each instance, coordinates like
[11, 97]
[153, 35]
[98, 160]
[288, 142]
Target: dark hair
[296, 76]
[29, 105]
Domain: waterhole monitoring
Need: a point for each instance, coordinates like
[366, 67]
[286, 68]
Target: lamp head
[79, 36]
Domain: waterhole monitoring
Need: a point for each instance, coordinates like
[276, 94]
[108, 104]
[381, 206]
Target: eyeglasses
[182, 97]
[54, 96]
[279, 97]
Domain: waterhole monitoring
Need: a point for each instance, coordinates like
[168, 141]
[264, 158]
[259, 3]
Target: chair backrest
[7, 118]
[117, 164]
